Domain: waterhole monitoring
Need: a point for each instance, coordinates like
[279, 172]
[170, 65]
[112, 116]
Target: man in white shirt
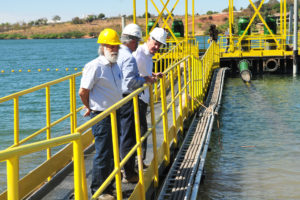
[100, 88]
[143, 56]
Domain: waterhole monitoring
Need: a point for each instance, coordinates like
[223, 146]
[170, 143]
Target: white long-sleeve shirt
[145, 65]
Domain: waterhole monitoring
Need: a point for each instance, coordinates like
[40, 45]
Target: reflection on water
[255, 153]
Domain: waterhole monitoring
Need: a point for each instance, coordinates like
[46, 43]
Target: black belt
[96, 112]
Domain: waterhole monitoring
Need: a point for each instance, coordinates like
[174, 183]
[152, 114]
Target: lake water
[55, 55]
[256, 152]
[254, 155]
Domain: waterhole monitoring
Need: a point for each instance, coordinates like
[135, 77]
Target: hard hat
[133, 30]
[159, 34]
[109, 36]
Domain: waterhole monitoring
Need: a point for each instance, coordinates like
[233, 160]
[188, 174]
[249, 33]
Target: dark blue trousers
[127, 137]
[143, 122]
[103, 163]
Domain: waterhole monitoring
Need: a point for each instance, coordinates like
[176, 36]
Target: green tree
[77, 20]
[90, 18]
[101, 16]
[227, 9]
[56, 18]
[144, 15]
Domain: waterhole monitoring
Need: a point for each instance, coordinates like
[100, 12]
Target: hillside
[92, 29]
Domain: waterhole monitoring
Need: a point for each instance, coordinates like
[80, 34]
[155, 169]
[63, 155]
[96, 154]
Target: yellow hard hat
[109, 36]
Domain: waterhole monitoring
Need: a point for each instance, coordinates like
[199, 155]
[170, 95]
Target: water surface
[256, 152]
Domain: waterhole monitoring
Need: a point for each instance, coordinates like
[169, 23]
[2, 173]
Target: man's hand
[84, 96]
[150, 79]
[158, 74]
[88, 111]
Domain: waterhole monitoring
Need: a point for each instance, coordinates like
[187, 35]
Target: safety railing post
[13, 163]
[186, 86]
[139, 149]
[72, 104]
[180, 97]
[204, 70]
[48, 120]
[16, 120]
[196, 77]
[191, 86]
[114, 131]
[154, 142]
[13, 178]
[165, 120]
[78, 178]
[171, 73]
[156, 84]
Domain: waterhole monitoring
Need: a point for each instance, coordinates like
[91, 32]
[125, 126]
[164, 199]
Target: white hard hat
[133, 30]
[159, 34]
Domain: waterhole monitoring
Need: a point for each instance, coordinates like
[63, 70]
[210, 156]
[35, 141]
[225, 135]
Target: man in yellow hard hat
[100, 88]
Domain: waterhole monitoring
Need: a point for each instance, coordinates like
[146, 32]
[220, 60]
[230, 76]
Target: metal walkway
[61, 186]
[184, 177]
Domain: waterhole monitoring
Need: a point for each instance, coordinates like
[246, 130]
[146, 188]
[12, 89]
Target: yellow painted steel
[171, 74]
[48, 119]
[186, 20]
[193, 18]
[12, 178]
[134, 11]
[165, 121]
[165, 21]
[16, 120]
[155, 160]
[256, 43]
[116, 153]
[139, 149]
[146, 18]
[180, 62]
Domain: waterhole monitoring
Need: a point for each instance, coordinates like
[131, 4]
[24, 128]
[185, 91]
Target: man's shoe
[130, 179]
[106, 197]
[145, 166]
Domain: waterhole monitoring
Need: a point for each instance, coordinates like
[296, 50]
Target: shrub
[3, 36]
[93, 34]
[15, 36]
[77, 34]
[77, 20]
[67, 35]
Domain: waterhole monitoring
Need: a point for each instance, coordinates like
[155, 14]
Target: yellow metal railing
[188, 79]
[257, 45]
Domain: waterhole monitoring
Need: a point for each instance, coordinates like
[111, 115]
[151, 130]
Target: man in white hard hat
[132, 80]
[143, 56]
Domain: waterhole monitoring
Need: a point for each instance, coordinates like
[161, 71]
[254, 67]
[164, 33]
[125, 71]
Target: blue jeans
[103, 163]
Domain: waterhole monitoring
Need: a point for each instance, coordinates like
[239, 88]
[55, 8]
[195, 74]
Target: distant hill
[90, 30]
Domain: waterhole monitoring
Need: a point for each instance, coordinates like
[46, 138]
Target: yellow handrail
[192, 76]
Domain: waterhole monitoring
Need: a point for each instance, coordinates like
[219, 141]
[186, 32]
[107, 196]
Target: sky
[14, 11]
